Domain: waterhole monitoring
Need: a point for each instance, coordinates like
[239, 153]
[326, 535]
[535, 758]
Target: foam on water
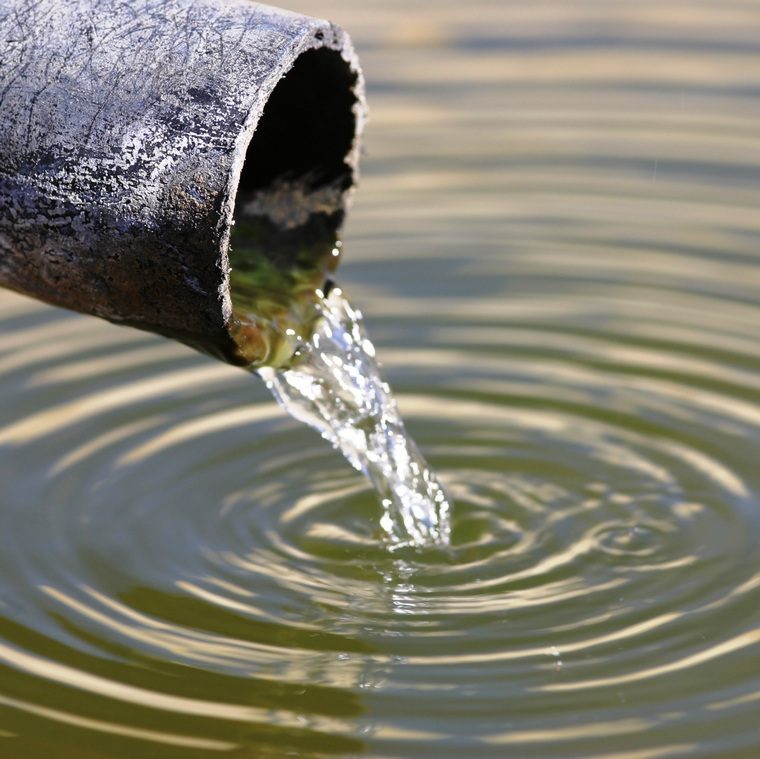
[335, 386]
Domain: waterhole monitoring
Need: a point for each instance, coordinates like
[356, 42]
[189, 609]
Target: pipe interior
[307, 127]
[290, 205]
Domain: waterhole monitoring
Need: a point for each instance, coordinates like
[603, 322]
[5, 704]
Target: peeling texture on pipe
[124, 128]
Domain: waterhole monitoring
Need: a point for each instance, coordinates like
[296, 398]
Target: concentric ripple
[556, 251]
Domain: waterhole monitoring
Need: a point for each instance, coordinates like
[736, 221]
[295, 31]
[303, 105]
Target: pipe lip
[318, 34]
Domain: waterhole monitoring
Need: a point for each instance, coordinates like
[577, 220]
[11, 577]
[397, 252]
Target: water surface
[556, 247]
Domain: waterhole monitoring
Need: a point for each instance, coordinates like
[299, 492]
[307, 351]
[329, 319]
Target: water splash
[335, 386]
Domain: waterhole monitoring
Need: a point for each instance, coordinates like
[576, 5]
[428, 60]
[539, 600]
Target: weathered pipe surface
[124, 127]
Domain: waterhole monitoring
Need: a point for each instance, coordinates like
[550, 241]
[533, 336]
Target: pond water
[556, 247]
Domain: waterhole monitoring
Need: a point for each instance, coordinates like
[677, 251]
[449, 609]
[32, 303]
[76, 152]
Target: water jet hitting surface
[334, 385]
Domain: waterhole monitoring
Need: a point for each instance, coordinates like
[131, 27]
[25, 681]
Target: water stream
[335, 386]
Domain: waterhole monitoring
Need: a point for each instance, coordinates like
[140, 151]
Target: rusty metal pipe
[131, 135]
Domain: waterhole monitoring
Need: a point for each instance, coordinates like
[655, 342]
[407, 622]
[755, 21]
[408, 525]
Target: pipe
[135, 135]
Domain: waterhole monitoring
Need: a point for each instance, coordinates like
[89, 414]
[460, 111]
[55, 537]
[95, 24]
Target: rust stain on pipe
[131, 132]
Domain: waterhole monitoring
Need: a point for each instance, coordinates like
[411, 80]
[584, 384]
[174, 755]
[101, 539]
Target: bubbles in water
[335, 386]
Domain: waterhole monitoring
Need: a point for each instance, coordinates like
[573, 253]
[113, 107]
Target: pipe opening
[307, 127]
[289, 204]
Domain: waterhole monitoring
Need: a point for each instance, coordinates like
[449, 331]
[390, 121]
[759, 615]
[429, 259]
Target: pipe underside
[131, 135]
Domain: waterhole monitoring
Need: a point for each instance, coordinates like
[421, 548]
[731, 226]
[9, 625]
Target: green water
[555, 247]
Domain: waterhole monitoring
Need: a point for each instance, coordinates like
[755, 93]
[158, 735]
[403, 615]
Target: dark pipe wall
[123, 131]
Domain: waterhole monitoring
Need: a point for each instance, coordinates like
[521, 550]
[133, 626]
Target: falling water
[335, 386]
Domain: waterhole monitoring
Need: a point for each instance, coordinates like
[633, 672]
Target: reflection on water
[556, 245]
